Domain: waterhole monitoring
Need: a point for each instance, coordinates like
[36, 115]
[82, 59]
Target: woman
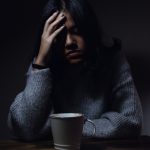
[72, 71]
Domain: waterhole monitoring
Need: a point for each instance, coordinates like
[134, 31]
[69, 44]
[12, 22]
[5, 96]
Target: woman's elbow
[21, 131]
[24, 135]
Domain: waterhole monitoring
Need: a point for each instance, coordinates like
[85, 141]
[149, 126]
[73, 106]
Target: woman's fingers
[57, 32]
[55, 25]
[50, 20]
[52, 28]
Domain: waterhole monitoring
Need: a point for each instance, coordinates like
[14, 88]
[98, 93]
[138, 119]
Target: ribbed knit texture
[111, 102]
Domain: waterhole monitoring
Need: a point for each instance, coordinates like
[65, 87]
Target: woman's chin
[75, 61]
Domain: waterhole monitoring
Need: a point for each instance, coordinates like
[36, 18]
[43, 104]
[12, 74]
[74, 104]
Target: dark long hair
[87, 23]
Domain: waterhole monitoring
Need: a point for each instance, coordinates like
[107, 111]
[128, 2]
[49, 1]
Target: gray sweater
[109, 100]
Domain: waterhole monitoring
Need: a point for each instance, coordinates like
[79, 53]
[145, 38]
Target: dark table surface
[142, 143]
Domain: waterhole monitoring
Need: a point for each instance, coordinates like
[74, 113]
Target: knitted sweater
[109, 100]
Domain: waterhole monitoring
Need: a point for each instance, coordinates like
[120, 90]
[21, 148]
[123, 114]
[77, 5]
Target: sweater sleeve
[124, 119]
[28, 114]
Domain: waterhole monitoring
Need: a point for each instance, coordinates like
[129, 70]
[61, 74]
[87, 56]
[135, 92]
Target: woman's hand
[51, 29]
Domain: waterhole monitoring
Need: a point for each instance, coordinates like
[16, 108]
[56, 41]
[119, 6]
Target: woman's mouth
[74, 56]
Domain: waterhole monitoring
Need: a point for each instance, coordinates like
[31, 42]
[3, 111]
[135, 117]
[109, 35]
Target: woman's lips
[74, 56]
[73, 53]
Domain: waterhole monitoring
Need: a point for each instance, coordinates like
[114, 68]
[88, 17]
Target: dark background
[128, 20]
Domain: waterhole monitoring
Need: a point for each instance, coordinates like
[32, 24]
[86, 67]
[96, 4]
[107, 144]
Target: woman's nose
[69, 39]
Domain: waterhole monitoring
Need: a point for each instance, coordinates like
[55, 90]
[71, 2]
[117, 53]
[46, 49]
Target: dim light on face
[74, 43]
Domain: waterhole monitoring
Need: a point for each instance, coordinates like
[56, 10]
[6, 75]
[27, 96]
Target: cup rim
[65, 115]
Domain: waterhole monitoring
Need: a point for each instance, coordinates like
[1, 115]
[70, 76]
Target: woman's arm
[124, 119]
[28, 115]
[30, 110]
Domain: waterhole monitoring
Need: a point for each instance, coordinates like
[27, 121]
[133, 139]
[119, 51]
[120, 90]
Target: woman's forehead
[69, 20]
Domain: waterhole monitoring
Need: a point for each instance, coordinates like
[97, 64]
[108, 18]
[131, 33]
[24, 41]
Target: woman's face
[74, 43]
